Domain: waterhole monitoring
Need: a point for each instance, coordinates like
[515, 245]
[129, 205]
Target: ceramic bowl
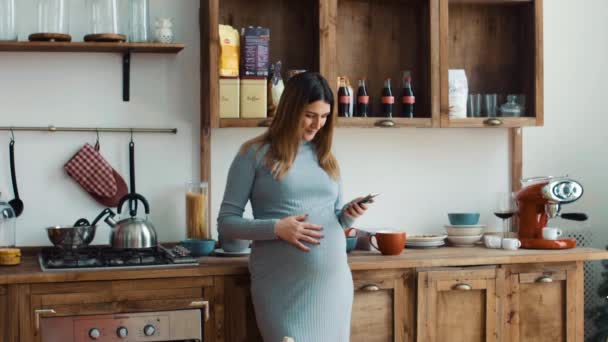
[202, 247]
[455, 231]
[460, 219]
[464, 240]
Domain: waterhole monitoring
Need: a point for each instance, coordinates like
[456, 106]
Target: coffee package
[229, 51]
[255, 43]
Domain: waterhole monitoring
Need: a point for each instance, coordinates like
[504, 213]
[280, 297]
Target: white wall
[421, 173]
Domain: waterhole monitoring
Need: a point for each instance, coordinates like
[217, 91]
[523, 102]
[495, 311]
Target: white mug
[492, 241]
[551, 233]
[511, 244]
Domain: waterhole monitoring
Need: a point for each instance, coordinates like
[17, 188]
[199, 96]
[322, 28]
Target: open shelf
[90, 47]
[342, 122]
[499, 45]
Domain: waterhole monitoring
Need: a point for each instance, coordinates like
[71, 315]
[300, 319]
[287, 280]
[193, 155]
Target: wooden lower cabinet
[458, 305]
[111, 297]
[4, 314]
[383, 306]
[546, 303]
[239, 323]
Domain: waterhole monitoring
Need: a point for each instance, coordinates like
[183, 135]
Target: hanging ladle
[16, 203]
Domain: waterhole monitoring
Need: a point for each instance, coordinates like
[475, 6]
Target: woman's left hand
[355, 209]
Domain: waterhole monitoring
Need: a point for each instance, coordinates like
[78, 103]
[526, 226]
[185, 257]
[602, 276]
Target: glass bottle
[343, 98]
[407, 98]
[197, 210]
[53, 16]
[362, 99]
[388, 100]
[103, 16]
[8, 221]
[139, 21]
[8, 31]
[511, 108]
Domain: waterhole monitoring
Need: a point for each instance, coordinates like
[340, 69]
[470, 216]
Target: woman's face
[313, 119]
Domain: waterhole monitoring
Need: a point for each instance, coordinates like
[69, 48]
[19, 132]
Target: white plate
[466, 226]
[464, 240]
[221, 252]
[425, 243]
[425, 238]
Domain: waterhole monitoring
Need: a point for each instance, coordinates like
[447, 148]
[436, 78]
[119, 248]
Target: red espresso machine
[541, 199]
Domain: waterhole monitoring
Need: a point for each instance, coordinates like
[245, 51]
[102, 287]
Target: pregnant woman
[300, 280]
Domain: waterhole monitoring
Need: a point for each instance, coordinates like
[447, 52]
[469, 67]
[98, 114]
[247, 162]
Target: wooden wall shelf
[91, 47]
[97, 47]
[342, 122]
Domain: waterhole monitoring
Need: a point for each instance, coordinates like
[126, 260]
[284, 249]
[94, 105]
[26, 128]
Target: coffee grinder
[541, 199]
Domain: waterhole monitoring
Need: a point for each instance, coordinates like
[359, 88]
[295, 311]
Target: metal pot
[78, 236]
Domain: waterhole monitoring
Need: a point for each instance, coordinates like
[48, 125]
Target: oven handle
[38, 313]
[202, 304]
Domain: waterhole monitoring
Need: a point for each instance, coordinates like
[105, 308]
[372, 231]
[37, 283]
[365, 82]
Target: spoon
[16, 203]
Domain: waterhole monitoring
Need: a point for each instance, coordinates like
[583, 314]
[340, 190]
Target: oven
[176, 325]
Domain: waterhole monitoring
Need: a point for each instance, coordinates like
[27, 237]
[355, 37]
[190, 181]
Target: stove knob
[122, 332]
[149, 330]
[94, 333]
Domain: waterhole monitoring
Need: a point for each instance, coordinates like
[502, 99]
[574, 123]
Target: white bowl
[464, 240]
[464, 231]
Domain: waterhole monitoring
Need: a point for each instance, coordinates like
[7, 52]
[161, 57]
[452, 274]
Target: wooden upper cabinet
[546, 303]
[499, 44]
[458, 305]
[383, 306]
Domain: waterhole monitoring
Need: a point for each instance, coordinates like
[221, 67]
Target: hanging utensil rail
[91, 129]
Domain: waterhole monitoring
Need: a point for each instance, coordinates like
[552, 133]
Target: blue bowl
[463, 219]
[202, 247]
[351, 242]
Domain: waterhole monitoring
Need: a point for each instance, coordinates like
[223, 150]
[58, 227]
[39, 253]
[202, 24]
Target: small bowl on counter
[463, 219]
[462, 231]
[199, 247]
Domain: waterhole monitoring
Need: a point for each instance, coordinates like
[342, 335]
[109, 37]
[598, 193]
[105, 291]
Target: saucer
[465, 226]
[221, 252]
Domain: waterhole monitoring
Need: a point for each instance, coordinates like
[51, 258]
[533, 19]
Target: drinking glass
[8, 31]
[474, 105]
[139, 21]
[197, 210]
[506, 207]
[490, 104]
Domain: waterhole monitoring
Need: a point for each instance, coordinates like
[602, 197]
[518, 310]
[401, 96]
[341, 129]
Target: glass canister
[54, 16]
[197, 210]
[7, 225]
[8, 31]
[139, 21]
[103, 16]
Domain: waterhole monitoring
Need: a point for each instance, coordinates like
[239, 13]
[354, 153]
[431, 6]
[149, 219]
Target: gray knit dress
[304, 295]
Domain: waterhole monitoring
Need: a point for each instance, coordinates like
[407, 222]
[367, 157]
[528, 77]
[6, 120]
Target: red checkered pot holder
[89, 169]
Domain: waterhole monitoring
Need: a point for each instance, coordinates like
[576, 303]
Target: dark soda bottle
[362, 100]
[344, 99]
[388, 100]
[407, 98]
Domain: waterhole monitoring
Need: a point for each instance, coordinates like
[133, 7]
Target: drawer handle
[202, 304]
[385, 123]
[370, 288]
[38, 313]
[492, 122]
[544, 279]
[462, 287]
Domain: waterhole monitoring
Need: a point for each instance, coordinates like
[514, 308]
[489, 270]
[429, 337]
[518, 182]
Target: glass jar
[139, 21]
[8, 31]
[7, 225]
[103, 16]
[511, 108]
[197, 210]
[53, 16]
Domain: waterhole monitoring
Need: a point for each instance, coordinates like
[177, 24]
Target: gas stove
[92, 258]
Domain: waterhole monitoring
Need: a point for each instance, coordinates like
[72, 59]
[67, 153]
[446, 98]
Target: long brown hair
[283, 136]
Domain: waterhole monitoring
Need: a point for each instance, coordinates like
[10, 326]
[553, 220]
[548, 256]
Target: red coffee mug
[389, 243]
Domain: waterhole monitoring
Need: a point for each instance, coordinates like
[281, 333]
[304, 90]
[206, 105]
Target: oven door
[178, 325]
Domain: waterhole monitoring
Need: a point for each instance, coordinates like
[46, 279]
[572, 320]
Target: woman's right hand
[294, 229]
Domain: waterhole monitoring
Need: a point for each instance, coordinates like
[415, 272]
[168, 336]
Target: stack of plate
[425, 241]
[465, 235]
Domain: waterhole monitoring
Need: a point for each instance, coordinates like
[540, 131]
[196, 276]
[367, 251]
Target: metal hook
[12, 136]
[131, 135]
[97, 132]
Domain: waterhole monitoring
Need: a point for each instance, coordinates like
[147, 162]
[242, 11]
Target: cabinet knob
[462, 287]
[370, 288]
[544, 279]
[492, 122]
[385, 123]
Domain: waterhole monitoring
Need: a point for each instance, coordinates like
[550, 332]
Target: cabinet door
[546, 303]
[110, 297]
[457, 305]
[4, 310]
[239, 317]
[383, 307]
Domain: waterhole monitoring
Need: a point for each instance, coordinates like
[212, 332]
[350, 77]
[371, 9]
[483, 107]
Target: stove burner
[95, 257]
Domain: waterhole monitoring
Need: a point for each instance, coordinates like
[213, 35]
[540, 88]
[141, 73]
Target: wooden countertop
[29, 271]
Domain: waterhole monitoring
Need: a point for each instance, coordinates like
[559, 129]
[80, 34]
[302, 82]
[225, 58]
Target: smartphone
[367, 199]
